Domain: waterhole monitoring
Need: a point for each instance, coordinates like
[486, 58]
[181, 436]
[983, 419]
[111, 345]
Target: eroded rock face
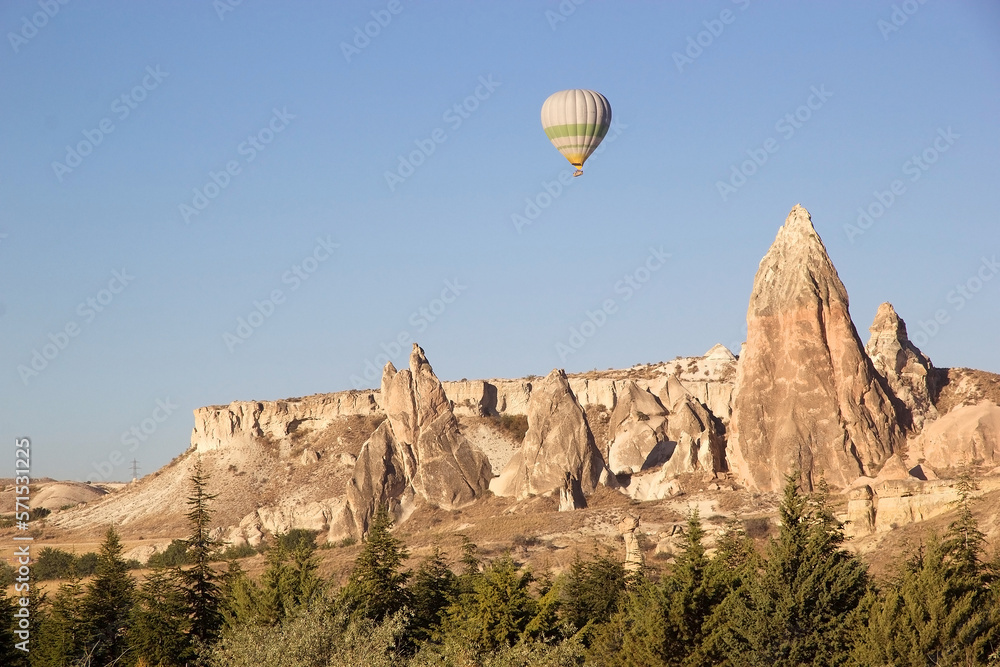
[558, 443]
[860, 512]
[807, 397]
[637, 430]
[967, 434]
[700, 444]
[907, 370]
[416, 454]
[242, 423]
[907, 501]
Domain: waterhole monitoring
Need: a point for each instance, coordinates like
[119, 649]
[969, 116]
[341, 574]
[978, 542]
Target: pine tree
[693, 590]
[432, 590]
[942, 608]
[9, 653]
[238, 604]
[289, 584]
[498, 611]
[377, 586]
[60, 634]
[800, 607]
[267, 595]
[470, 562]
[108, 603]
[592, 590]
[160, 624]
[202, 594]
[663, 624]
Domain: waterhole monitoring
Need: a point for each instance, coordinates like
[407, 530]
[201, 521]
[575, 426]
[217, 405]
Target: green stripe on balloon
[576, 130]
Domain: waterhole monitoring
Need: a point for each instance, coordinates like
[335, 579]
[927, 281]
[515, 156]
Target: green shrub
[86, 564]
[174, 556]
[241, 551]
[54, 564]
[290, 541]
[7, 574]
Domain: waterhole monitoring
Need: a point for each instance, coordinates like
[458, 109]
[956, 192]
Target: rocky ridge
[805, 395]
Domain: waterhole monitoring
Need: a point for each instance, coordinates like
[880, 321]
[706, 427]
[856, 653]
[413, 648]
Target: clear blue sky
[329, 122]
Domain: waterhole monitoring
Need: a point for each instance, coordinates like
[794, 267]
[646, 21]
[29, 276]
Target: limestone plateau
[877, 421]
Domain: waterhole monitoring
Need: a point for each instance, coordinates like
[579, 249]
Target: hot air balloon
[575, 121]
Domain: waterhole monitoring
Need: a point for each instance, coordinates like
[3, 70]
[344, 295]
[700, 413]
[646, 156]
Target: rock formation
[241, 423]
[906, 369]
[807, 397]
[416, 454]
[558, 443]
[629, 527]
[967, 434]
[900, 502]
[637, 430]
[700, 444]
[860, 512]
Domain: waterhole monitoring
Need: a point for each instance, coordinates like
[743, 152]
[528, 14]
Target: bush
[7, 574]
[515, 425]
[292, 539]
[242, 551]
[54, 564]
[174, 556]
[757, 528]
[86, 564]
[525, 541]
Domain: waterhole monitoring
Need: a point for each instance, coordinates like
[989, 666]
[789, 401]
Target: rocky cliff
[708, 379]
[807, 396]
[244, 423]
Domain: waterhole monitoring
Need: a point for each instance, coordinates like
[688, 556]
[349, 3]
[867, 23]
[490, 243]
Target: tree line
[801, 599]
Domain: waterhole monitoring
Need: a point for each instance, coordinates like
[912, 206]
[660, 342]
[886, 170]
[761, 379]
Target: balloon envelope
[575, 121]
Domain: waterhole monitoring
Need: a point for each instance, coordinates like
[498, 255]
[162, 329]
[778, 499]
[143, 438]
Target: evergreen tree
[546, 625]
[9, 653]
[160, 624]
[238, 603]
[592, 590]
[636, 635]
[267, 595]
[942, 608]
[800, 607]
[289, 583]
[303, 585]
[499, 609]
[665, 624]
[693, 590]
[108, 602]
[432, 590]
[470, 562]
[60, 634]
[377, 587]
[201, 588]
